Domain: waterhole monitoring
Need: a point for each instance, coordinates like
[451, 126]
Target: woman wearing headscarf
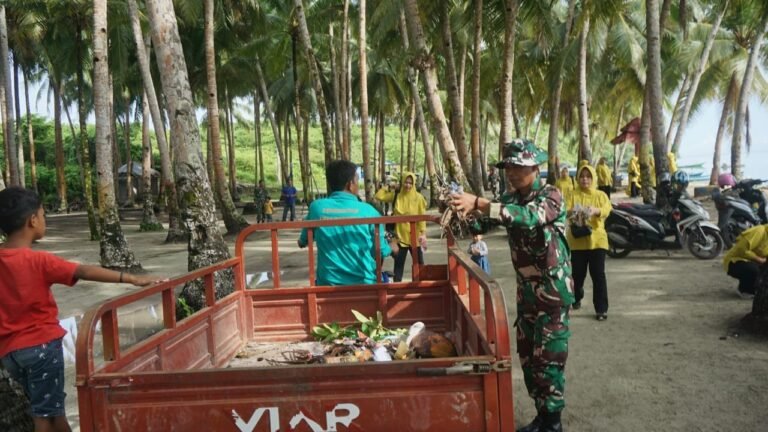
[633, 174]
[564, 182]
[604, 177]
[587, 210]
[671, 163]
[406, 201]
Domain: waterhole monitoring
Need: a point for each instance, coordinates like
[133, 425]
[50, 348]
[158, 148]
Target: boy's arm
[100, 274]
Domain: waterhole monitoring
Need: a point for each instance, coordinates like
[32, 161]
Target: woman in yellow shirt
[406, 201]
[604, 177]
[588, 251]
[633, 174]
[744, 259]
[564, 182]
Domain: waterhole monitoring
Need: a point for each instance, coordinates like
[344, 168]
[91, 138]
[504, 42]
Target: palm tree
[316, 82]
[15, 177]
[206, 246]
[653, 83]
[425, 62]
[508, 66]
[115, 252]
[585, 145]
[477, 171]
[367, 168]
[143, 47]
[746, 87]
[232, 219]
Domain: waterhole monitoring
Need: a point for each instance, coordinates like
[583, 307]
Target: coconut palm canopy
[286, 86]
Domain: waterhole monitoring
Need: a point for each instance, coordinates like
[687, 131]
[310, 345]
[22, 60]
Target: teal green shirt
[345, 254]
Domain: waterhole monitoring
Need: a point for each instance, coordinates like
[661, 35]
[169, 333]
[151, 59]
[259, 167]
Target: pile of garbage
[371, 342]
[460, 224]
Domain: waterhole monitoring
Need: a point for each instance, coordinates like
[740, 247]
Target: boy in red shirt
[30, 334]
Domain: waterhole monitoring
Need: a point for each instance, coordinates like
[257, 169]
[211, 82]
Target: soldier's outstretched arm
[543, 210]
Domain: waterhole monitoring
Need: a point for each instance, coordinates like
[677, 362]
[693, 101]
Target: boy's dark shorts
[40, 371]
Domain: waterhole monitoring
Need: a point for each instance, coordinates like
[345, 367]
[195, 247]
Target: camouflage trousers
[542, 344]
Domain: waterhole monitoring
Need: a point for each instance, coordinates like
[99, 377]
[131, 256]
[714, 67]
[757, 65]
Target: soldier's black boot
[550, 422]
[533, 426]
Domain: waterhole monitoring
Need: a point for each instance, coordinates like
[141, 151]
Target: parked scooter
[740, 206]
[682, 223]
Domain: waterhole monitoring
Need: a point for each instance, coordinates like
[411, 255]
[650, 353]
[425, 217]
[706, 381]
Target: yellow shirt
[590, 198]
[750, 244]
[633, 170]
[268, 209]
[408, 203]
[604, 177]
[565, 184]
[672, 162]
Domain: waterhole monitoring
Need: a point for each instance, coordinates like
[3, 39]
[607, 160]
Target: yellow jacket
[604, 177]
[565, 185]
[750, 244]
[408, 203]
[652, 164]
[590, 198]
[672, 163]
[633, 170]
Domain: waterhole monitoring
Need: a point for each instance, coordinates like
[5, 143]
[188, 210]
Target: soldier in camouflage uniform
[534, 216]
[259, 199]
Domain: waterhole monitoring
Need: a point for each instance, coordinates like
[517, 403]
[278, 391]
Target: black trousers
[746, 272]
[635, 190]
[400, 260]
[594, 260]
[606, 189]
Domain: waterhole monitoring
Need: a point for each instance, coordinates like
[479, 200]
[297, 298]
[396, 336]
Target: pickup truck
[178, 379]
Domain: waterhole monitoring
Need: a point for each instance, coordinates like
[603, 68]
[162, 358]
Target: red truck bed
[176, 380]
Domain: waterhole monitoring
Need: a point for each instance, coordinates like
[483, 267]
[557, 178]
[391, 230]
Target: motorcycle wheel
[706, 246]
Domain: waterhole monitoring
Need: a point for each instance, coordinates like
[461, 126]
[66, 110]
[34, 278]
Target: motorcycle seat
[642, 210]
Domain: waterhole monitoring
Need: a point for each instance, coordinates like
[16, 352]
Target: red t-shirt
[28, 313]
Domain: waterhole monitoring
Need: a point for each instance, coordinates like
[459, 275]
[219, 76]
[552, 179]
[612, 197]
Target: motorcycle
[739, 209]
[683, 223]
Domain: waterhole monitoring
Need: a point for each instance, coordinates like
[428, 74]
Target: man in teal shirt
[345, 254]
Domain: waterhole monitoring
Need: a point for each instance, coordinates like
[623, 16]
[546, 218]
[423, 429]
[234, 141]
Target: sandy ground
[670, 357]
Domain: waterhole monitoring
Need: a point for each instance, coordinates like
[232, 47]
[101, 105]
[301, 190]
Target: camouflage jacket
[260, 197]
[536, 227]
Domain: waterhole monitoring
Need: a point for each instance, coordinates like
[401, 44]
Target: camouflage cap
[521, 152]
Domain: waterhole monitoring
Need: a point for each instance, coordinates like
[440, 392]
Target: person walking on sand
[534, 216]
[587, 209]
[30, 333]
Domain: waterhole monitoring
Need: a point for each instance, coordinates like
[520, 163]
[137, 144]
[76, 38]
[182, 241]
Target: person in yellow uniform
[744, 259]
[672, 163]
[564, 182]
[604, 177]
[589, 207]
[406, 201]
[652, 165]
[633, 174]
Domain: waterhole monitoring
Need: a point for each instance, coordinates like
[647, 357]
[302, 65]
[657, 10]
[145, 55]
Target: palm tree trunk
[728, 103]
[271, 115]
[401, 126]
[306, 166]
[128, 155]
[418, 111]
[746, 87]
[30, 134]
[232, 219]
[645, 143]
[382, 149]
[675, 118]
[452, 86]
[115, 253]
[691, 93]
[13, 157]
[335, 89]
[507, 71]
[554, 107]
[585, 144]
[6, 145]
[484, 153]
[14, 404]
[61, 180]
[367, 168]
[411, 127]
[143, 52]
[206, 246]
[17, 129]
[655, 97]
[85, 152]
[477, 171]
[231, 158]
[149, 221]
[426, 64]
[343, 87]
[322, 111]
